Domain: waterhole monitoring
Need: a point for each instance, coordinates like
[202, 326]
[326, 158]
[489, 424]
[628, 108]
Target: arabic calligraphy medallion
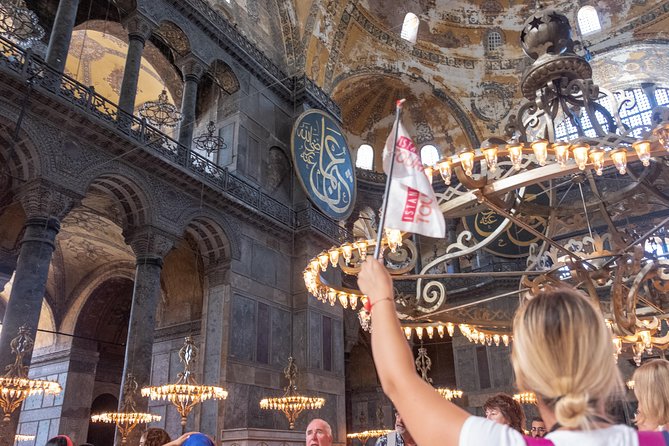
[323, 163]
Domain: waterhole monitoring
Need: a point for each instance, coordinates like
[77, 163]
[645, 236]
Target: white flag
[411, 203]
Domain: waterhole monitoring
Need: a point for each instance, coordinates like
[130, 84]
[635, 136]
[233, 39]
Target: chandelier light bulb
[642, 149]
[515, 154]
[581, 155]
[450, 328]
[407, 332]
[597, 159]
[490, 154]
[467, 161]
[540, 150]
[347, 251]
[419, 332]
[332, 297]
[561, 153]
[323, 259]
[333, 254]
[362, 248]
[393, 238]
[619, 158]
[343, 300]
[446, 170]
[440, 330]
[353, 301]
[430, 331]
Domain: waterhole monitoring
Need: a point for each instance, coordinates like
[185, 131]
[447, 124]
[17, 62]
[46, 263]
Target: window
[365, 159]
[429, 155]
[588, 20]
[494, 40]
[410, 27]
[634, 113]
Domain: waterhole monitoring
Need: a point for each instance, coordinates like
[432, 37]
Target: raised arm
[432, 420]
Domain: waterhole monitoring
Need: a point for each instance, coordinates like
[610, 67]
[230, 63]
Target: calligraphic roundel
[323, 163]
[515, 241]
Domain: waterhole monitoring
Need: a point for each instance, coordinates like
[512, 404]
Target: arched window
[494, 40]
[365, 158]
[588, 20]
[410, 27]
[429, 155]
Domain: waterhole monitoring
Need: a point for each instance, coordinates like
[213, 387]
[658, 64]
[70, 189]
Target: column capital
[150, 244]
[139, 26]
[42, 199]
[192, 67]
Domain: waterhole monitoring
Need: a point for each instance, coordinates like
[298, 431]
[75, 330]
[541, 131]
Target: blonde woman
[651, 388]
[562, 351]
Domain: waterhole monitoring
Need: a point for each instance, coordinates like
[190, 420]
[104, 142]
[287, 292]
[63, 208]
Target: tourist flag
[411, 202]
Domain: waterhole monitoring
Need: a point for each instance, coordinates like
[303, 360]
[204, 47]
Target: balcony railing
[35, 71]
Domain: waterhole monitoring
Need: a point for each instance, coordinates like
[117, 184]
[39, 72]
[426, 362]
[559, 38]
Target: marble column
[139, 29]
[44, 206]
[61, 34]
[150, 246]
[216, 323]
[192, 70]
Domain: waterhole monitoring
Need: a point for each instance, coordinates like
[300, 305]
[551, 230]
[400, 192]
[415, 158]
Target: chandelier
[525, 397]
[423, 366]
[209, 142]
[128, 418]
[19, 24]
[559, 93]
[15, 386]
[161, 112]
[186, 393]
[291, 403]
[366, 435]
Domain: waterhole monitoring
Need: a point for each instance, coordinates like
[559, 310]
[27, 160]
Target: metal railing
[34, 70]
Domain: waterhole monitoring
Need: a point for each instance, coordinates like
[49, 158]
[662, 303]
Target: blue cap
[198, 440]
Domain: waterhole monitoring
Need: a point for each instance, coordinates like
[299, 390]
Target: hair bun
[571, 410]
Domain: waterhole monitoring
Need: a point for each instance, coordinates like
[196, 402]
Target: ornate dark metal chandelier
[496, 179]
[19, 24]
[209, 142]
[161, 112]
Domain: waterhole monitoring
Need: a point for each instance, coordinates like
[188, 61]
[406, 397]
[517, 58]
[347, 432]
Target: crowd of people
[562, 351]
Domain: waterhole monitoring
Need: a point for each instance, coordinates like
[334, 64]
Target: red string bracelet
[368, 306]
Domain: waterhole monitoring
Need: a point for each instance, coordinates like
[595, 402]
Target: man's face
[538, 429]
[400, 428]
[317, 434]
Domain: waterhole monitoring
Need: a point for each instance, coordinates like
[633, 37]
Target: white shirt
[479, 431]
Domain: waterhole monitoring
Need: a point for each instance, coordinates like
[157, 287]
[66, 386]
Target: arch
[410, 27]
[81, 293]
[588, 20]
[127, 188]
[102, 434]
[365, 157]
[24, 162]
[216, 238]
[494, 39]
[429, 155]
[174, 37]
[224, 76]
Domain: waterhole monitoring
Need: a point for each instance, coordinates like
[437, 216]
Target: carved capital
[139, 26]
[150, 244]
[42, 199]
[191, 67]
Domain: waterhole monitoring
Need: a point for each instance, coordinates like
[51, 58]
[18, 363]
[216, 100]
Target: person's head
[651, 388]
[538, 427]
[59, 440]
[503, 409]
[562, 351]
[198, 439]
[154, 436]
[319, 433]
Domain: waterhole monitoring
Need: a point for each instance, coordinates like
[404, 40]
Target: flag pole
[382, 221]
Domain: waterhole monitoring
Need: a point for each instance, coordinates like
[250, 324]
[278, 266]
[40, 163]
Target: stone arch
[216, 239]
[81, 293]
[129, 190]
[21, 157]
[174, 37]
[224, 76]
